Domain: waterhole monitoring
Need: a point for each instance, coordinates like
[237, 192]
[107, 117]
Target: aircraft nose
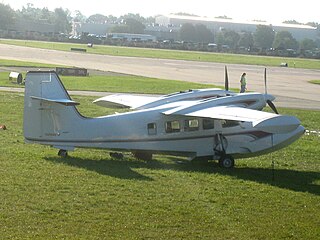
[285, 139]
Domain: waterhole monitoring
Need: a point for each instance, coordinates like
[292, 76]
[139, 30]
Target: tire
[226, 162]
[116, 155]
[146, 156]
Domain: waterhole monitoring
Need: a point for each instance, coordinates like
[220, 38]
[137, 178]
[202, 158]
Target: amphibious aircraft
[201, 124]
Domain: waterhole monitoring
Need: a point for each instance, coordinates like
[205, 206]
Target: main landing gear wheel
[226, 161]
[145, 156]
[63, 153]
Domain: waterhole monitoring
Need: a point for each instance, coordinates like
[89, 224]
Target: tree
[246, 40]
[188, 32]
[136, 17]
[62, 20]
[6, 16]
[134, 26]
[264, 36]
[292, 22]
[46, 16]
[120, 29]
[203, 34]
[79, 17]
[97, 18]
[31, 13]
[307, 44]
[112, 19]
[130, 26]
[231, 38]
[313, 24]
[228, 37]
[285, 40]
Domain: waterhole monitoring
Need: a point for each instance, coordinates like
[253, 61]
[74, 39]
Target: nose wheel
[226, 161]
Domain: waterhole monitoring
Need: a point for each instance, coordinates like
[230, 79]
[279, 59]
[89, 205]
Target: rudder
[47, 111]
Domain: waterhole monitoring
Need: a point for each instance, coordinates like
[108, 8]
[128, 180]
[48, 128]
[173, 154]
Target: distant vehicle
[199, 124]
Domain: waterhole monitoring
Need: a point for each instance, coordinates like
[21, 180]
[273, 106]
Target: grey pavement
[289, 85]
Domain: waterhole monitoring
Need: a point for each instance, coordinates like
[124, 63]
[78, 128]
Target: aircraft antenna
[272, 160]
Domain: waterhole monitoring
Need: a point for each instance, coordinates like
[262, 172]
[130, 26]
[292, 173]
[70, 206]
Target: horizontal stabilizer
[65, 102]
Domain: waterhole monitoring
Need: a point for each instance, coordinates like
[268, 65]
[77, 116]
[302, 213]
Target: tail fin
[49, 111]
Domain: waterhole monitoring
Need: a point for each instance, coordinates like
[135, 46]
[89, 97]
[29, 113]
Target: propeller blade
[265, 80]
[272, 106]
[226, 79]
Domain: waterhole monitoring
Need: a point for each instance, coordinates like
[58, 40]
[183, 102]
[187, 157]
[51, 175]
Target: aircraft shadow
[298, 181]
[122, 169]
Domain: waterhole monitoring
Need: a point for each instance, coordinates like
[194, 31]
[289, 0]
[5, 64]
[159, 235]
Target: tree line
[265, 39]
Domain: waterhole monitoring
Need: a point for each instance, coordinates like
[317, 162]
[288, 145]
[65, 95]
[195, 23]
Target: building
[299, 32]
[132, 37]
[91, 28]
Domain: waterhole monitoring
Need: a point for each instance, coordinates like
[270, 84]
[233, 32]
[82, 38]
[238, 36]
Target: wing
[124, 101]
[264, 121]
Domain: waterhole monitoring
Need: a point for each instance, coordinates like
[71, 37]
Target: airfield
[91, 195]
[290, 86]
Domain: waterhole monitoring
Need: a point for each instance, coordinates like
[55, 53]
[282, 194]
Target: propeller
[226, 79]
[272, 106]
[268, 101]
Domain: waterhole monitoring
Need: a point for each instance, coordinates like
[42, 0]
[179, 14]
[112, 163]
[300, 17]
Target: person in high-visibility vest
[243, 83]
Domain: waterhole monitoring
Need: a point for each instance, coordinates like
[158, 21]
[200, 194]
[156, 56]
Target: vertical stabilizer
[48, 110]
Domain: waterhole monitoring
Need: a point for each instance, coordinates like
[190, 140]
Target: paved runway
[289, 85]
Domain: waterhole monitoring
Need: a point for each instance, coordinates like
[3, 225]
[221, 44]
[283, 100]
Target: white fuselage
[194, 123]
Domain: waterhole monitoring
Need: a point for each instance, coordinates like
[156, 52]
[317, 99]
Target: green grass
[173, 54]
[315, 81]
[129, 84]
[90, 196]
[13, 63]
[124, 84]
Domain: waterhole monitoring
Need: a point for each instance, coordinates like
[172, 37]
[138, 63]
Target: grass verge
[124, 84]
[315, 81]
[13, 63]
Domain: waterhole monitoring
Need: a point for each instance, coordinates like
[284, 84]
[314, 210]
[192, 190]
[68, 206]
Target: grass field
[124, 84]
[13, 63]
[90, 196]
[172, 54]
[315, 81]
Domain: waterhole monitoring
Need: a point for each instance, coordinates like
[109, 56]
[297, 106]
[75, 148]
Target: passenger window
[208, 123]
[191, 125]
[229, 123]
[172, 126]
[152, 128]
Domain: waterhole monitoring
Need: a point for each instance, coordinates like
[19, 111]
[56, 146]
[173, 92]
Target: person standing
[243, 83]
